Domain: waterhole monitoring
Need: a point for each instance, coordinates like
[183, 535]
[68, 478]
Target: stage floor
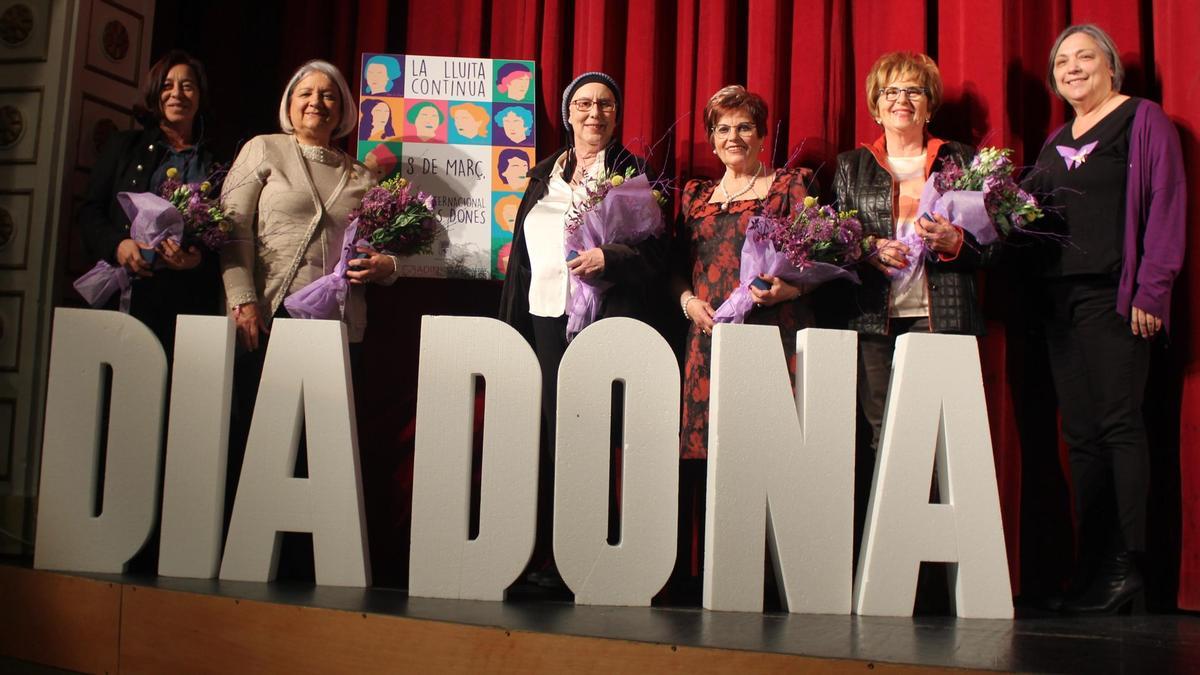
[1159, 643]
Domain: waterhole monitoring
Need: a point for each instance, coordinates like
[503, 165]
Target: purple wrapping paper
[964, 208]
[760, 257]
[915, 256]
[628, 214]
[152, 220]
[325, 298]
[99, 283]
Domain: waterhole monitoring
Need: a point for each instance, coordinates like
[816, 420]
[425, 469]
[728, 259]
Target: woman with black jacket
[537, 285]
[187, 281]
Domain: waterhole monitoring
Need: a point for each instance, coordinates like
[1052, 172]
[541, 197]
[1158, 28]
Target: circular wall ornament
[7, 228]
[12, 126]
[16, 24]
[115, 40]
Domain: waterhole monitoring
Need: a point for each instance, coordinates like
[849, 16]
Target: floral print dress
[714, 238]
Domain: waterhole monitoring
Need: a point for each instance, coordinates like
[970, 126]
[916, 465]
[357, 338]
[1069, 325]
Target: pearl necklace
[749, 186]
[321, 155]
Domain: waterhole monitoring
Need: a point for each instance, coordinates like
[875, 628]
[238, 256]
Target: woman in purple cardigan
[1112, 183]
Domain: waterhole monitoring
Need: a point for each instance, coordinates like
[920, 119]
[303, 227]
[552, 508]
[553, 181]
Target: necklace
[749, 186]
[582, 171]
[321, 155]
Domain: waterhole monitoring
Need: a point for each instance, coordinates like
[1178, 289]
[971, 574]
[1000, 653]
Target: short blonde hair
[349, 107]
[896, 65]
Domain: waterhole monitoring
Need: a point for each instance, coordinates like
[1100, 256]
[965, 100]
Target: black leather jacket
[864, 184]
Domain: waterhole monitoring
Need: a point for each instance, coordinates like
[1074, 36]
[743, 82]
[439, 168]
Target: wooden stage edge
[137, 624]
[97, 625]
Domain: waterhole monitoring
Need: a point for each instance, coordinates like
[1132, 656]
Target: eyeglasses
[584, 105]
[745, 130]
[891, 94]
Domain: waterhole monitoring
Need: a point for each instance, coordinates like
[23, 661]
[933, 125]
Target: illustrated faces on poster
[513, 125]
[470, 120]
[426, 119]
[377, 121]
[513, 80]
[502, 258]
[506, 212]
[381, 158]
[380, 75]
[512, 167]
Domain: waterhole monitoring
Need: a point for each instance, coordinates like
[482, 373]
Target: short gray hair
[349, 118]
[1107, 47]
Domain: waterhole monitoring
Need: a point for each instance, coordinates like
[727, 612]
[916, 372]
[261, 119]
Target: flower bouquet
[181, 212]
[812, 247]
[391, 219]
[621, 208]
[204, 220]
[983, 198]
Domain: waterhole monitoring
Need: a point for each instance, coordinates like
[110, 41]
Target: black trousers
[549, 344]
[874, 376]
[1099, 369]
[875, 369]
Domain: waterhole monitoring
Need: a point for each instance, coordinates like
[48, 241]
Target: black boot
[1118, 584]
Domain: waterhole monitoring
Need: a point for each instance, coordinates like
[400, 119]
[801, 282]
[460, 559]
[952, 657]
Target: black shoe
[1117, 586]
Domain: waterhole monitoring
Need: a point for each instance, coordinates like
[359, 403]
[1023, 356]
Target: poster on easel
[461, 129]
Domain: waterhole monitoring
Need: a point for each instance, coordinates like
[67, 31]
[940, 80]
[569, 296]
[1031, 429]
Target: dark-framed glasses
[584, 105]
[892, 94]
[745, 130]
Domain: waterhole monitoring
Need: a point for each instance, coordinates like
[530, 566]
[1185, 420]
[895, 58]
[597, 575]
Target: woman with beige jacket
[290, 196]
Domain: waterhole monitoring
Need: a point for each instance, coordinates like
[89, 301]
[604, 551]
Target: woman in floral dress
[709, 244]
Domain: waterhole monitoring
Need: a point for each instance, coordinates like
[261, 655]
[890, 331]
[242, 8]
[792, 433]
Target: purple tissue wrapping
[964, 208]
[152, 220]
[325, 298]
[915, 257]
[759, 256]
[99, 283]
[628, 214]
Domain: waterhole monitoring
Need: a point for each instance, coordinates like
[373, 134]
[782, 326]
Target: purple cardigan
[1155, 214]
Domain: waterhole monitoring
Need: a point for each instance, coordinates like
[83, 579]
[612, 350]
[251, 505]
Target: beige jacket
[285, 236]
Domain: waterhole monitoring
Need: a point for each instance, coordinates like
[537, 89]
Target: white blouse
[550, 283]
[910, 298]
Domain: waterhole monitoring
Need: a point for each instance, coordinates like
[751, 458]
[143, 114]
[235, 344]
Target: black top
[1080, 183]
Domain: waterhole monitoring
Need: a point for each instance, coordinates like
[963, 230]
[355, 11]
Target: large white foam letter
[790, 461]
[444, 561]
[69, 535]
[197, 442]
[935, 407]
[632, 571]
[305, 384]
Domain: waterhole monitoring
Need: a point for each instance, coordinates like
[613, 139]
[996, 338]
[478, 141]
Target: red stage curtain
[809, 60]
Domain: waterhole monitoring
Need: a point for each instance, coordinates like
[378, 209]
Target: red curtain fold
[877, 28]
[809, 60]
[817, 89]
[1177, 61]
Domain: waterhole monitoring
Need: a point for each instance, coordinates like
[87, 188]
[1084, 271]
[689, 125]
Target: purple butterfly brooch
[1074, 157]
